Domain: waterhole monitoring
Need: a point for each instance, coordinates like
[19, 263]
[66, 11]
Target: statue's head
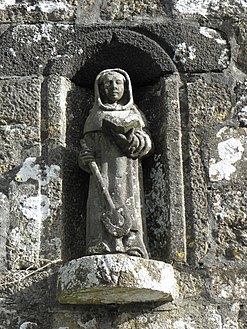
[112, 86]
[113, 90]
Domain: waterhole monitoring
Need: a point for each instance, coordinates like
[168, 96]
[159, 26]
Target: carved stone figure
[116, 138]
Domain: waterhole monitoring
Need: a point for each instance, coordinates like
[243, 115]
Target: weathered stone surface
[207, 105]
[8, 314]
[174, 169]
[229, 155]
[117, 279]
[26, 297]
[240, 25]
[54, 93]
[4, 225]
[190, 315]
[190, 46]
[95, 11]
[241, 103]
[20, 100]
[227, 173]
[227, 283]
[65, 49]
[18, 142]
[27, 213]
[209, 7]
[19, 120]
[229, 210]
[109, 11]
[38, 42]
[36, 11]
[31, 211]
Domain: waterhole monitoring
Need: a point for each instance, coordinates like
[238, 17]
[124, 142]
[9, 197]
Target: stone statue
[116, 138]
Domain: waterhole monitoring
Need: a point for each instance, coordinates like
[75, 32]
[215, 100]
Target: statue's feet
[134, 252]
[98, 249]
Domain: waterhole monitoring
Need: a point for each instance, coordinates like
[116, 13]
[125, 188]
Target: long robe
[122, 176]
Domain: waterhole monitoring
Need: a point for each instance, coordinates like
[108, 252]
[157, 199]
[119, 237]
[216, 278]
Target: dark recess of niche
[141, 67]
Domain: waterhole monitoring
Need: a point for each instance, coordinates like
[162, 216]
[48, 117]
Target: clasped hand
[135, 143]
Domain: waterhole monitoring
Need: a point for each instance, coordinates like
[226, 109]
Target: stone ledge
[115, 278]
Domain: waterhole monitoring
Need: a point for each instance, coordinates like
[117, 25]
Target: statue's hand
[135, 143]
[85, 157]
[128, 142]
[140, 144]
[84, 160]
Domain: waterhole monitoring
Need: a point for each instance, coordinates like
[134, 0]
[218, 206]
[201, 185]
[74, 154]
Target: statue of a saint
[116, 138]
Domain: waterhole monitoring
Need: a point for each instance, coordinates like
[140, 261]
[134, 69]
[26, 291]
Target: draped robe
[121, 173]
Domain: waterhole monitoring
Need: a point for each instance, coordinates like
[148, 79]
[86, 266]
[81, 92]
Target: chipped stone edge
[115, 278]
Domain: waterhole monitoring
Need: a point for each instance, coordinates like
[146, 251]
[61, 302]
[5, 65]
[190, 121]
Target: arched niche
[83, 59]
[156, 91]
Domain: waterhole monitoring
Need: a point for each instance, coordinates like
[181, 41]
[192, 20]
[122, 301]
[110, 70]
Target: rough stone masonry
[187, 60]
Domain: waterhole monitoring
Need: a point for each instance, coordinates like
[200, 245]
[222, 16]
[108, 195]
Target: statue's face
[113, 85]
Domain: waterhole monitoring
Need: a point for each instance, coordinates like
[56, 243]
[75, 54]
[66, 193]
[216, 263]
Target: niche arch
[156, 91]
[144, 59]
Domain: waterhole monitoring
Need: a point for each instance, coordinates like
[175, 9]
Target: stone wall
[188, 63]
